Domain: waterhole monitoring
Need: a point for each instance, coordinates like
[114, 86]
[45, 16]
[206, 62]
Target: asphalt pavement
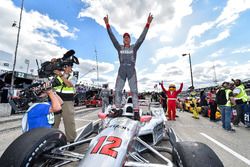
[19, 116]
[232, 148]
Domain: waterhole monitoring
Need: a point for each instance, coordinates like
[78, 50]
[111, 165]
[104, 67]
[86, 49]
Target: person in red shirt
[172, 94]
[212, 104]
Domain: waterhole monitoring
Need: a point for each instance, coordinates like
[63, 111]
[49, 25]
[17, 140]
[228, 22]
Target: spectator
[124, 97]
[111, 97]
[225, 104]
[212, 104]
[203, 102]
[163, 98]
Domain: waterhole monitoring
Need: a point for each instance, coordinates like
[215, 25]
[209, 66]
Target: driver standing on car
[66, 90]
[127, 57]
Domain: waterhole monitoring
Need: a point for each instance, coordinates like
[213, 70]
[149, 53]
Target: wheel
[195, 154]
[29, 148]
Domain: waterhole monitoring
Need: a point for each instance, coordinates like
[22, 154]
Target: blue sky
[215, 33]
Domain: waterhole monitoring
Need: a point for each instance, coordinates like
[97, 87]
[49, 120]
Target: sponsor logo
[126, 52]
[119, 126]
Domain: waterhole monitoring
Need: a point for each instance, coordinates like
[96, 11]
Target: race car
[117, 140]
[93, 99]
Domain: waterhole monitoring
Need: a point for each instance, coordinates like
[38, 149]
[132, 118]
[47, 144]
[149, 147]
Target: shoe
[169, 119]
[136, 116]
[231, 130]
[115, 112]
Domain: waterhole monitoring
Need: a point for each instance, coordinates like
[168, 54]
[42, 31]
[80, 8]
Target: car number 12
[107, 148]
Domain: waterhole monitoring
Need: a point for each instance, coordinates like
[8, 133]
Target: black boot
[136, 115]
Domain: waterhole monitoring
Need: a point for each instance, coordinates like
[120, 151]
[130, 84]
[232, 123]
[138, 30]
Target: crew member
[66, 91]
[226, 109]
[172, 97]
[105, 94]
[127, 57]
[241, 99]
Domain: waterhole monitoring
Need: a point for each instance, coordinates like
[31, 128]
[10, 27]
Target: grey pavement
[18, 116]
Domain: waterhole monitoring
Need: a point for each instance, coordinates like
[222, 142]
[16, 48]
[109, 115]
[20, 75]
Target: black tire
[195, 154]
[29, 148]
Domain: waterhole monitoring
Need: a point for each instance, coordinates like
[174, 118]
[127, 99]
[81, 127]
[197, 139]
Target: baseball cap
[126, 34]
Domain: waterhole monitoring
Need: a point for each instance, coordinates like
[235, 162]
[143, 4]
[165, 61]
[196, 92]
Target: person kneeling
[42, 114]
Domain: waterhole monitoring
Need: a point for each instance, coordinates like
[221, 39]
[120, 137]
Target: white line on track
[247, 161]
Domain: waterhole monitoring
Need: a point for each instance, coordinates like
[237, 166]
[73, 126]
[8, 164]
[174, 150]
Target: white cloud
[223, 35]
[38, 36]
[198, 30]
[241, 50]
[217, 53]
[232, 10]
[167, 15]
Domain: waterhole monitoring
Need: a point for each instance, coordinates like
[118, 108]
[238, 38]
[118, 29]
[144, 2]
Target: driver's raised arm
[111, 35]
[144, 32]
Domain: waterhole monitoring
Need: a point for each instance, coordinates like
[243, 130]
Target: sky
[214, 33]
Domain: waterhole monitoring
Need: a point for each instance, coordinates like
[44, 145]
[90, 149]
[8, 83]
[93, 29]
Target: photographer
[64, 85]
[41, 114]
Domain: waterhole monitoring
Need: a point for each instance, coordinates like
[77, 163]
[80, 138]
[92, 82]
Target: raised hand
[106, 19]
[150, 18]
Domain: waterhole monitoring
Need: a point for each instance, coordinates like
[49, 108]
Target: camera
[48, 67]
[27, 95]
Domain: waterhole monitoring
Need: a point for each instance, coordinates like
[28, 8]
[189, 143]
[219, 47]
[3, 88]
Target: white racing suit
[127, 58]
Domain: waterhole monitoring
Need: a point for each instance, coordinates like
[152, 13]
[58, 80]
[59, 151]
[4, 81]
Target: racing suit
[127, 59]
[172, 96]
[104, 94]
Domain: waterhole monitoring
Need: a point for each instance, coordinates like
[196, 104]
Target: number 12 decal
[107, 149]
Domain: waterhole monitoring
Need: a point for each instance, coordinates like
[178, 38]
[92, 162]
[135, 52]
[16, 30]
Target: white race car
[112, 142]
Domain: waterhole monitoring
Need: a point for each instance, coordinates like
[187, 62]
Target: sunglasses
[172, 87]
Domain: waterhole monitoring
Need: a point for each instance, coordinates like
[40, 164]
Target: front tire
[29, 148]
[195, 154]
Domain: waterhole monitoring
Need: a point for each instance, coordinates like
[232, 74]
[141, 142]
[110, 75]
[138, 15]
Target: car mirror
[102, 115]
[145, 118]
